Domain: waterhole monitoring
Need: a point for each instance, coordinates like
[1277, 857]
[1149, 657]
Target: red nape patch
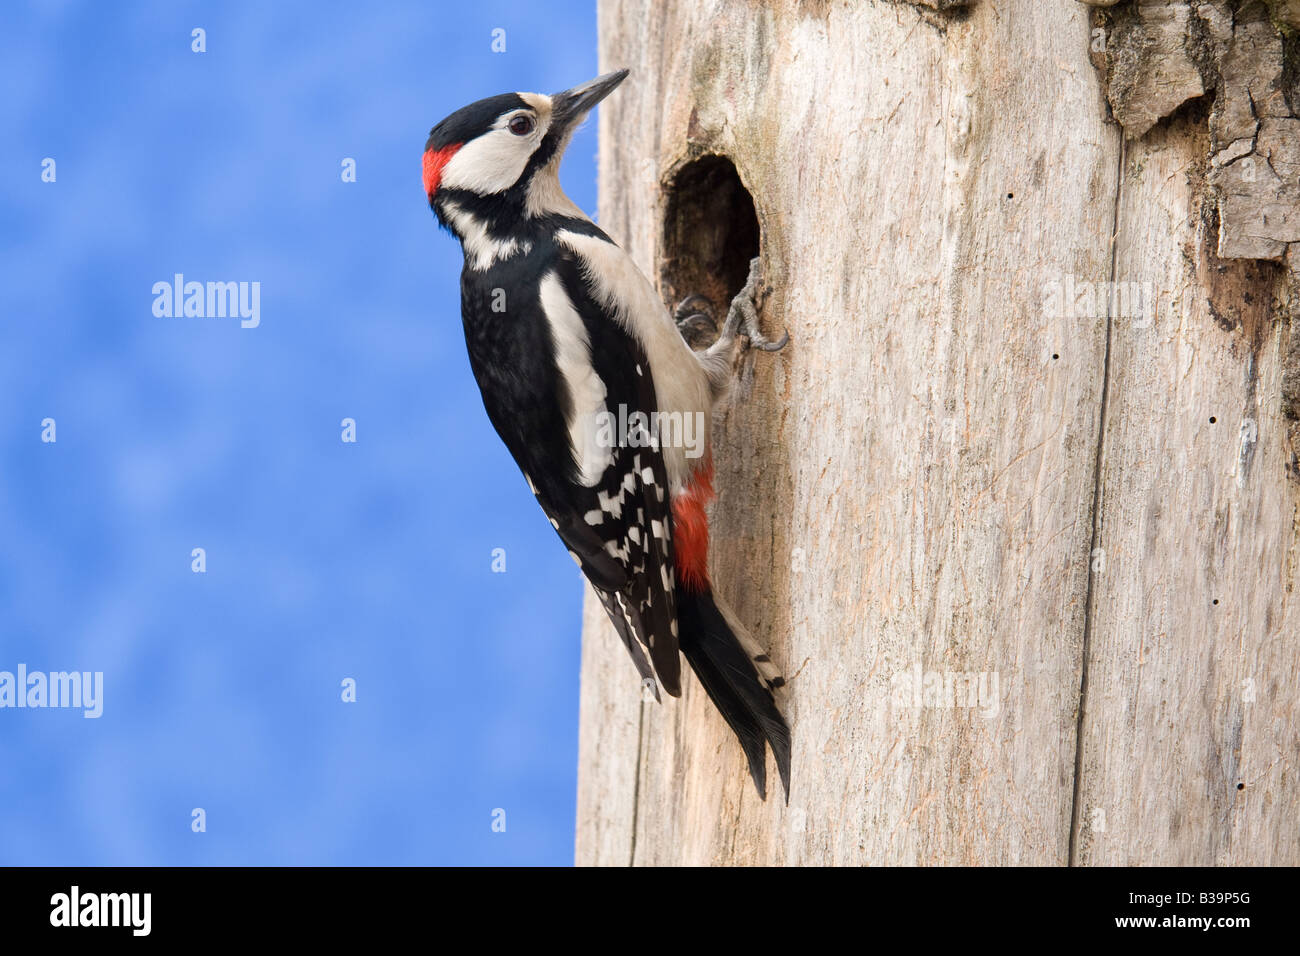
[434, 160]
[691, 529]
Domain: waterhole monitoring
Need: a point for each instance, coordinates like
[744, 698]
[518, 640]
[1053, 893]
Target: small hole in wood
[1215, 602]
[1213, 419]
[1011, 195]
[1055, 356]
[711, 232]
[1241, 786]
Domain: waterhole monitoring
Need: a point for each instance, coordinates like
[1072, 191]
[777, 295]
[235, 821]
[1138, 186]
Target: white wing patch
[680, 383]
[573, 358]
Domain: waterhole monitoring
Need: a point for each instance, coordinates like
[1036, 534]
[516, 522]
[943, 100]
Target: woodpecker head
[500, 157]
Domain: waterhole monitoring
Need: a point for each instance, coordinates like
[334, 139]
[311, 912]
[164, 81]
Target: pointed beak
[569, 107]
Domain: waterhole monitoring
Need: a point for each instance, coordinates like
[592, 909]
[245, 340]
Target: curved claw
[772, 346]
[697, 327]
[690, 306]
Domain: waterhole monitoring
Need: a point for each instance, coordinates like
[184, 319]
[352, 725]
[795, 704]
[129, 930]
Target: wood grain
[911, 485]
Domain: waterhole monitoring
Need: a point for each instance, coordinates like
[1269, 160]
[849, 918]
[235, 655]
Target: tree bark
[1026, 553]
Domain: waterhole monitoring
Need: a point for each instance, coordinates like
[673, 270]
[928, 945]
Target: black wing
[618, 530]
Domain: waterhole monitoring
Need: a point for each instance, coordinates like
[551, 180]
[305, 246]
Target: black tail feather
[732, 683]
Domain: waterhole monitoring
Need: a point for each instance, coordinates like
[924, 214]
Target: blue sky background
[325, 560]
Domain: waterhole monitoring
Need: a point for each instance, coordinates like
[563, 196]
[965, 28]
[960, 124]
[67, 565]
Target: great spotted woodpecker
[566, 335]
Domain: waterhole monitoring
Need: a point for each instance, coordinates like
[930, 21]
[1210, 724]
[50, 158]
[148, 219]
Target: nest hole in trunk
[711, 232]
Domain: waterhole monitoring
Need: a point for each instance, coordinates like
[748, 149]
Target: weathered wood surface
[913, 483]
[1195, 632]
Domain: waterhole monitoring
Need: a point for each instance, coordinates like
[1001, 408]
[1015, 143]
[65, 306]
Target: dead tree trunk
[1016, 510]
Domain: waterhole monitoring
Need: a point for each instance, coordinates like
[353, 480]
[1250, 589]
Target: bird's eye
[521, 125]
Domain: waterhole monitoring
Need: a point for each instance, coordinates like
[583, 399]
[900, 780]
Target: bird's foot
[721, 360]
[742, 317]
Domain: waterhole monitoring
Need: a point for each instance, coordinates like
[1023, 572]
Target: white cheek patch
[493, 162]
